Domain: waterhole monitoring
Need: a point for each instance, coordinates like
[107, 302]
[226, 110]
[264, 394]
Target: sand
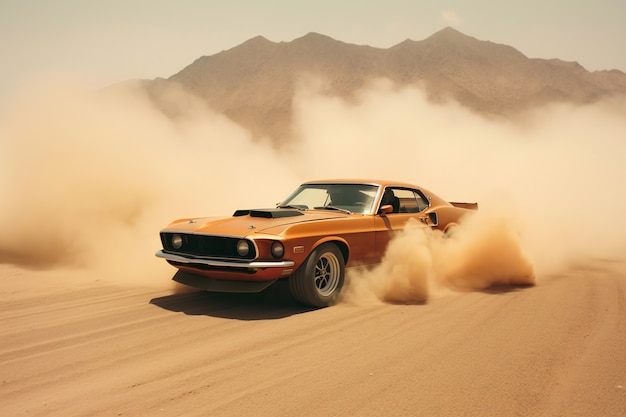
[82, 347]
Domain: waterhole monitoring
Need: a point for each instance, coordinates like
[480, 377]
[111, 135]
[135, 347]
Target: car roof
[434, 198]
[384, 183]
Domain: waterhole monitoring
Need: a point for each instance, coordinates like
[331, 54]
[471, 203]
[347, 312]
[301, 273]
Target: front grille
[206, 246]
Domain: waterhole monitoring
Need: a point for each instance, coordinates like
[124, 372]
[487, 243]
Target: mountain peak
[450, 35]
[448, 31]
[257, 41]
[315, 35]
[313, 38]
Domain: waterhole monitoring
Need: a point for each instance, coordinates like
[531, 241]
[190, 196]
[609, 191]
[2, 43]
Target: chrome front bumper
[224, 264]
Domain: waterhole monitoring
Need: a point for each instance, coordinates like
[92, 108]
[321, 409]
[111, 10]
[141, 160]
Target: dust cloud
[484, 251]
[88, 179]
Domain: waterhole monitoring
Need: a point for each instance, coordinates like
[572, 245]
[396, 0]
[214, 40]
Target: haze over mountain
[254, 83]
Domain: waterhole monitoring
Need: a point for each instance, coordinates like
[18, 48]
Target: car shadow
[273, 303]
[506, 288]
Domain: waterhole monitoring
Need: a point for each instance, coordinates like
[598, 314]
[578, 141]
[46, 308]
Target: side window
[408, 204]
[410, 201]
[390, 198]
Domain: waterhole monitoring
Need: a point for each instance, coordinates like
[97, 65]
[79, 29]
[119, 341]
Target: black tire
[318, 281]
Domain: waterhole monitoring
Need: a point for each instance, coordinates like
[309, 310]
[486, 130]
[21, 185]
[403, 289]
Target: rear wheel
[319, 279]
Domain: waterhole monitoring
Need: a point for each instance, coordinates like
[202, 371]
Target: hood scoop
[276, 213]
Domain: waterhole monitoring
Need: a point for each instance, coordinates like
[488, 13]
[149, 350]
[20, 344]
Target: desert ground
[76, 346]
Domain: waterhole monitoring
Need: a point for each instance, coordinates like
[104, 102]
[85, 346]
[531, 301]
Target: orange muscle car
[308, 239]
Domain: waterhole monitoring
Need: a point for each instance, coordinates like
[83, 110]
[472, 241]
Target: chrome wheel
[327, 274]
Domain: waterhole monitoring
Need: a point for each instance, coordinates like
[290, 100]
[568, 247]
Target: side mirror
[384, 210]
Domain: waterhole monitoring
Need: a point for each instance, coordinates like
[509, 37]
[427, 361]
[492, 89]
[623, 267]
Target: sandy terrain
[99, 349]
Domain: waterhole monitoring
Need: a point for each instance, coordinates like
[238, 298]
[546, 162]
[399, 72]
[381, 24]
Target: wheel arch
[342, 244]
[450, 228]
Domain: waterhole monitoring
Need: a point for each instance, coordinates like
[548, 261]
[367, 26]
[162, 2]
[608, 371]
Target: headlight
[278, 250]
[177, 241]
[243, 247]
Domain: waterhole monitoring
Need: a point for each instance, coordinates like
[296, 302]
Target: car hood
[246, 222]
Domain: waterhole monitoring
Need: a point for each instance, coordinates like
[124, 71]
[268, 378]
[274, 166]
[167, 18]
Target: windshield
[355, 198]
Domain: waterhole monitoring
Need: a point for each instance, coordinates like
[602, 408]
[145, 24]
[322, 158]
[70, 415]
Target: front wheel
[318, 281]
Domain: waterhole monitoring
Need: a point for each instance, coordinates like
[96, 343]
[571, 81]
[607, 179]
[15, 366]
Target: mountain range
[254, 83]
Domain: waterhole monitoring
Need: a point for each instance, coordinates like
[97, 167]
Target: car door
[407, 204]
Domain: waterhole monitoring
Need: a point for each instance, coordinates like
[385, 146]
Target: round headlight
[278, 250]
[177, 241]
[243, 247]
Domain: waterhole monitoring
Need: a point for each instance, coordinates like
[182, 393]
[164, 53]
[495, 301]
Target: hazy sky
[103, 42]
